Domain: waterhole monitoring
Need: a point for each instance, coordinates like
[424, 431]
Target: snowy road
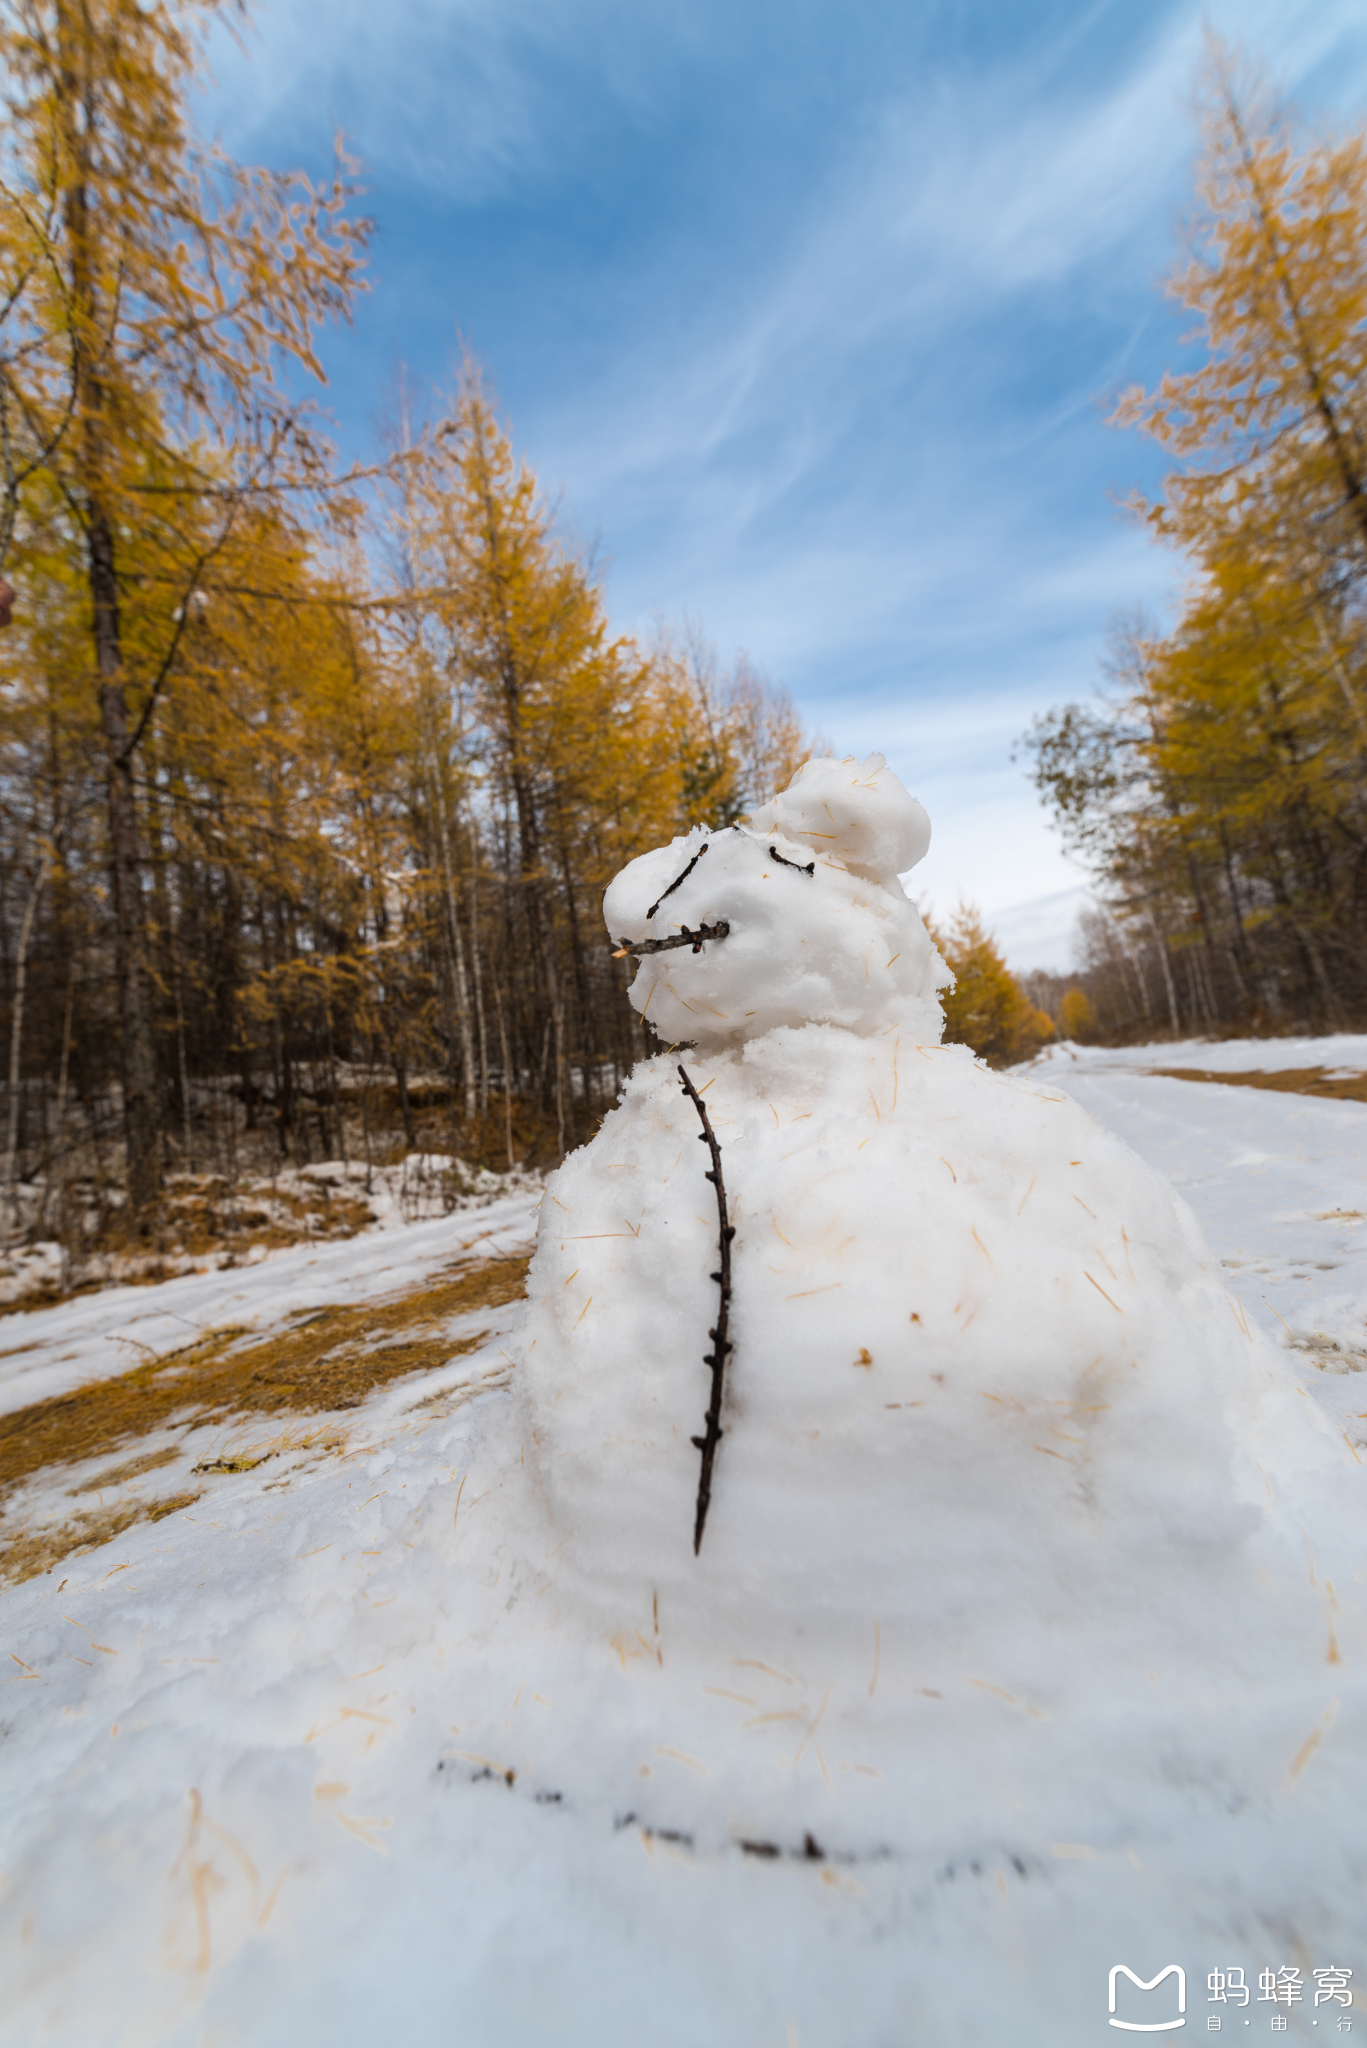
[271, 1775]
[1278, 1183]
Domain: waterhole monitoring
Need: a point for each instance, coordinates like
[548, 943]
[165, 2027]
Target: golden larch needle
[1102, 1292]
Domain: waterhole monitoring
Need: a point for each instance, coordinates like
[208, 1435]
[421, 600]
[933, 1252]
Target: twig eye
[774, 854]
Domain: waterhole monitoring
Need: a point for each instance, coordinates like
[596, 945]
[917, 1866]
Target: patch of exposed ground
[132, 1468]
[200, 1219]
[86, 1240]
[330, 1359]
[26, 1555]
[1287, 1080]
[1329, 1354]
[202, 1212]
[327, 1361]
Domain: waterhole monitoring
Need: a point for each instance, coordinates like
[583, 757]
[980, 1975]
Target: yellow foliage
[1077, 1018]
[1220, 793]
[986, 1008]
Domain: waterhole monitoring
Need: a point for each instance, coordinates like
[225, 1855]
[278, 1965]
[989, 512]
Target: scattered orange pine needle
[1105, 1297]
[1281, 1319]
[820, 1712]
[1312, 1743]
[680, 1756]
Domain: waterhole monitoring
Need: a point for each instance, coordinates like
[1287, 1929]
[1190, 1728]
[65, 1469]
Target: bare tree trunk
[137, 1052]
[141, 1122]
[338, 1116]
[55, 1147]
[16, 1034]
[507, 1077]
[456, 948]
[1166, 964]
[187, 1137]
[1242, 953]
[478, 971]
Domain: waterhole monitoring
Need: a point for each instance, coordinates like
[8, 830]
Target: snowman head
[797, 917]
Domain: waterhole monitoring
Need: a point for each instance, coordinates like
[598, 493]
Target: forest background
[312, 777]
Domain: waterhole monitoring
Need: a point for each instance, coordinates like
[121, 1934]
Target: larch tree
[987, 1008]
[156, 303]
[555, 694]
[1220, 792]
[1271, 429]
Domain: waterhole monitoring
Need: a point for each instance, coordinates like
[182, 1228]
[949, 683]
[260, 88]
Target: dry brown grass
[1287, 1080]
[196, 1216]
[203, 1214]
[330, 1360]
[132, 1468]
[27, 1557]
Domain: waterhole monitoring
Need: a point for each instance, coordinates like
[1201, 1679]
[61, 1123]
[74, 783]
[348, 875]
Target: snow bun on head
[856, 811]
[795, 918]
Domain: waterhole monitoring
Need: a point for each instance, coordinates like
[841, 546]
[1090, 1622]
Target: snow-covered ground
[1342, 1052]
[317, 1761]
[1278, 1181]
[49, 1351]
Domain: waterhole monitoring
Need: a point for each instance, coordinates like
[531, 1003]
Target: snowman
[839, 1336]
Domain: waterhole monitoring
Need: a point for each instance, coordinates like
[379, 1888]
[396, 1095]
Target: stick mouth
[695, 940]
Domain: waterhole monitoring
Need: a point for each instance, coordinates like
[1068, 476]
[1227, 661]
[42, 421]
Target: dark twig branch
[809, 869]
[719, 930]
[716, 1357]
[678, 879]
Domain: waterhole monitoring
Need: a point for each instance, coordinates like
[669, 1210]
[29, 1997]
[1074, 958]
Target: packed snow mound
[775, 924]
[982, 1361]
[985, 1380]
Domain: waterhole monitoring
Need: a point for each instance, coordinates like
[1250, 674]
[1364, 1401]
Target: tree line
[311, 778]
[1217, 786]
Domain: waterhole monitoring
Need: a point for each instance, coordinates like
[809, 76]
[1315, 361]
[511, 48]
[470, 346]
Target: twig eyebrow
[678, 879]
[774, 854]
[720, 930]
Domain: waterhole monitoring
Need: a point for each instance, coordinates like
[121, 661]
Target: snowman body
[982, 1361]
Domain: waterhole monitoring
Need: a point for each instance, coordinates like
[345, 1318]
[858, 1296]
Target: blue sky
[807, 312]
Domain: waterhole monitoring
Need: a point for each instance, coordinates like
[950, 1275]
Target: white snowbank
[1025, 1640]
[1340, 1052]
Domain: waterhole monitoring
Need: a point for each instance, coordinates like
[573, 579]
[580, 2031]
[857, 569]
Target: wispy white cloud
[840, 403]
[464, 99]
